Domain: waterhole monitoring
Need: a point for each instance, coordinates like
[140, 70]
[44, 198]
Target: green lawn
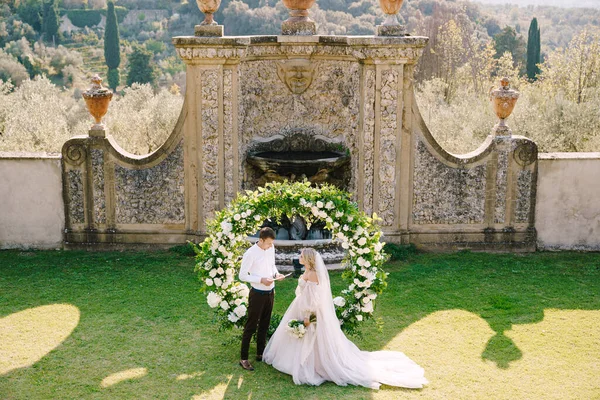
[134, 326]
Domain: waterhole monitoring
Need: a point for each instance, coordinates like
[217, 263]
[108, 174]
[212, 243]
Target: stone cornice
[405, 49]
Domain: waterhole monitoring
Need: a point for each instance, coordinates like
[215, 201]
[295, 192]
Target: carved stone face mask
[297, 74]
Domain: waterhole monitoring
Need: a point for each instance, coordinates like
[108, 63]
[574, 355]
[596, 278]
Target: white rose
[351, 287]
[351, 253]
[336, 225]
[233, 318]
[340, 235]
[249, 213]
[226, 227]
[257, 217]
[213, 299]
[330, 205]
[218, 282]
[244, 215]
[209, 282]
[320, 204]
[328, 219]
[219, 260]
[368, 308]
[237, 217]
[362, 241]
[367, 264]
[378, 246]
[212, 273]
[366, 300]
[224, 305]
[220, 271]
[361, 261]
[350, 218]
[363, 272]
[339, 214]
[315, 211]
[229, 271]
[339, 301]
[244, 291]
[345, 245]
[359, 317]
[238, 302]
[345, 227]
[240, 310]
[322, 214]
[368, 283]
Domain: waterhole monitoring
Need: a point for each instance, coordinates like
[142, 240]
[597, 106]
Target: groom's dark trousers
[260, 305]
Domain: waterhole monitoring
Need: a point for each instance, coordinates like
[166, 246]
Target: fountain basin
[298, 162]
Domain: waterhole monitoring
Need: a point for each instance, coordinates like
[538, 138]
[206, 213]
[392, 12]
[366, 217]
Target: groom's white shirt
[257, 264]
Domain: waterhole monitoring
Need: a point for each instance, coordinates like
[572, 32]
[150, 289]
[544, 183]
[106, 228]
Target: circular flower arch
[219, 255]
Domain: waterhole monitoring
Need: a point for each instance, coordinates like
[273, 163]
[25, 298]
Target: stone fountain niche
[298, 155]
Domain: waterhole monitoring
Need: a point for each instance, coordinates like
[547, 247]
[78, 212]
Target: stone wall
[32, 209]
[568, 205]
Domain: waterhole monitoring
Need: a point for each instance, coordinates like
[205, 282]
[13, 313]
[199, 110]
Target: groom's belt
[262, 291]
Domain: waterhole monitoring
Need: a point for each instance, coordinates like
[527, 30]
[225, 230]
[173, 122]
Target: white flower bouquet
[296, 328]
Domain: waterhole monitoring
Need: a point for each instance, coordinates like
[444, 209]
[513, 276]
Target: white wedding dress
[325, 353]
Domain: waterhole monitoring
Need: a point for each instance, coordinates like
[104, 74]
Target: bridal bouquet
[296, 328]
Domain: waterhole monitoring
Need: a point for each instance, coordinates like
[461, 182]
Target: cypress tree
[533, 50]
[112, 47]
[50, 21]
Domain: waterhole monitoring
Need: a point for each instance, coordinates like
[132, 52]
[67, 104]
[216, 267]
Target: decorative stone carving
[501, 186]
[152, 195]
[526, 153]
[75, 197]
[447, 195]
[524, 196]
[98, 178]
[74, 154]
[208, 7]
[297, 74]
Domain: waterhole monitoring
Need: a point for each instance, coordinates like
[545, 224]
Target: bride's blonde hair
[310, 257]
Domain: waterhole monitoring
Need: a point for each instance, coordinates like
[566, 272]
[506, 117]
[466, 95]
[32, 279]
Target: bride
[324, 353]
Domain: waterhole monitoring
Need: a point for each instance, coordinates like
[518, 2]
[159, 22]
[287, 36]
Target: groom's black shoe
[259, 358]
[246, 365]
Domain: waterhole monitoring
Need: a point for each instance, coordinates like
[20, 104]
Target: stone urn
[391, 8]
[503, 101]
[298, 23]
[97, 99]
[208, 7]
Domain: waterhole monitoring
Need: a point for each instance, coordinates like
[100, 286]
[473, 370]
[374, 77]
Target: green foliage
[30, 11]
[508, 41]
[83, 18]
[112, 47]
[533, 50]
[185, 250]
[141, 68]
[155, 46]
[51, 22]
[114, 78]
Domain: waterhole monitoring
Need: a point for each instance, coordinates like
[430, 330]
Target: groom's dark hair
[266, 233]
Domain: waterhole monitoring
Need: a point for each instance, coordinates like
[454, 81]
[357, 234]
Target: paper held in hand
[282, 277]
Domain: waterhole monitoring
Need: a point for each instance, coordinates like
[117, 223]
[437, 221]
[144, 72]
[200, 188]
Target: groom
[258, 268]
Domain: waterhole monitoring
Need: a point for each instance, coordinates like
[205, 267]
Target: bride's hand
[306, 322]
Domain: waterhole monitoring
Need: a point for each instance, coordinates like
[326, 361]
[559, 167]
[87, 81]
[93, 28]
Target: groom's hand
[266, 281]
[279, 277]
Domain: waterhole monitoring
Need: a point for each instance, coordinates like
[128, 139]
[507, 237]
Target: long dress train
[326, 354]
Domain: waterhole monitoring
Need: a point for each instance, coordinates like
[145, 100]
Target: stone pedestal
[208, 30]
[391, 30]
[501, 130]
[97, 131]
[299, 28]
